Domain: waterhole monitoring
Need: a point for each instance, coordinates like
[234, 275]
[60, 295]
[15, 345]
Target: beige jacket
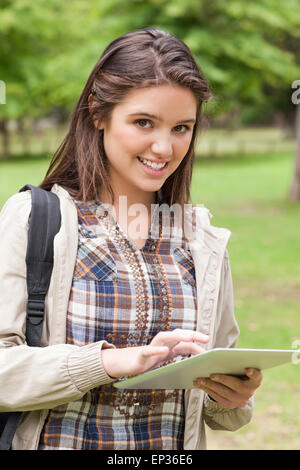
[34, 380]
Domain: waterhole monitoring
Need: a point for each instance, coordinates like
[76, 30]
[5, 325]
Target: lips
[150, 170]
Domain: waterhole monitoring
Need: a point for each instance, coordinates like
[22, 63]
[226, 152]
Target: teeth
[155, 166]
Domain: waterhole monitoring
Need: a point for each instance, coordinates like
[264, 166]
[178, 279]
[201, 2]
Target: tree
[237, 43]
[295, 187]
[37, 59]
[49, 47]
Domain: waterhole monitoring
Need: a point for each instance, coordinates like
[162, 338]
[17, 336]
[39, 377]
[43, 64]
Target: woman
[128, 293]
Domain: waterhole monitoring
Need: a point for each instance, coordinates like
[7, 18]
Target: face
[148, 135]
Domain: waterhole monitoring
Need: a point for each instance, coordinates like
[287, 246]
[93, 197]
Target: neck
[123, 202]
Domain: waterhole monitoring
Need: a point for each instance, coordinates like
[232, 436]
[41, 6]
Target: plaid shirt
[124, 295]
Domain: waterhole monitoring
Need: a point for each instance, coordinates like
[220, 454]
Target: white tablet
[231, 361]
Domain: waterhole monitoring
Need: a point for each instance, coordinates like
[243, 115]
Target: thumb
[254, 375]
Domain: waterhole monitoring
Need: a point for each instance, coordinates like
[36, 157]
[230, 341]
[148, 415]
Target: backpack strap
[10, 423]
[45, 221]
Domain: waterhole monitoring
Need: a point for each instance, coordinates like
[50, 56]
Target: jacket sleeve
[34, 378]
[227, 333]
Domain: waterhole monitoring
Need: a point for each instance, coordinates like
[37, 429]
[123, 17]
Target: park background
[247, 170]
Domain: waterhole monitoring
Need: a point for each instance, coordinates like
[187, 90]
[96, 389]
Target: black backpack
[45, 220]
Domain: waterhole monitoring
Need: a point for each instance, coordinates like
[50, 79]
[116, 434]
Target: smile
[153, 165]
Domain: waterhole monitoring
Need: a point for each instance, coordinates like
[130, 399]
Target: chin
[152, 188]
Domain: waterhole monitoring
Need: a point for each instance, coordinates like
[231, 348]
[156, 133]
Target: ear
[97, 124]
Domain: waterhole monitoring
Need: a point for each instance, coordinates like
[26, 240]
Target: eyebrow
[158, 118]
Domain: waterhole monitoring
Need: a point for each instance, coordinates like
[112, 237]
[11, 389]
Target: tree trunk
[295, 188]
[5, 140]
[23, 136]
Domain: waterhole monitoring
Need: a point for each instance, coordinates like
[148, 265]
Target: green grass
[17, 172]
[249, 197]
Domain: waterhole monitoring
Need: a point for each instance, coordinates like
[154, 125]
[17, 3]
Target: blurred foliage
[249, 51]
[38, 64]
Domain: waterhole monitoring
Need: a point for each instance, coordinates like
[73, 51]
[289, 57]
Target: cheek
[181, 148]
[130, 140]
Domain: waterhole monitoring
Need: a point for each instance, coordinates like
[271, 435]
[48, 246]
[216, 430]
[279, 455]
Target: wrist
[108, 361]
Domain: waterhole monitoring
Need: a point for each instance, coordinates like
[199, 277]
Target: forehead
[161, 99]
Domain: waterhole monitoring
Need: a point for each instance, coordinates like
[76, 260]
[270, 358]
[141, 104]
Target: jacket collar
[202, 235]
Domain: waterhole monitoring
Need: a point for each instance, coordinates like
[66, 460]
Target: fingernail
[215, 377]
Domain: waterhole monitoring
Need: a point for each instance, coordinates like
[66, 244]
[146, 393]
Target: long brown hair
[142, 58]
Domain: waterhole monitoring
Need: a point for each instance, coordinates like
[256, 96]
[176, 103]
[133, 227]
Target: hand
[231, 392]
[164, 347]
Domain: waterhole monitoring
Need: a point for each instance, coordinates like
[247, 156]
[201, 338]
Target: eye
[141, 123]
[182, 127]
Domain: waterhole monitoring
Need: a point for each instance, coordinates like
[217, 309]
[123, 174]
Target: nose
[162, 146]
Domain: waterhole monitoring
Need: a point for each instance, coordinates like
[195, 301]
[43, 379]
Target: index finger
[190, 335]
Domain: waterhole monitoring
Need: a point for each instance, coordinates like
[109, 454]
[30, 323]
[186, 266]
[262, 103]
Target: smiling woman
[143, 64]
[122, 303]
